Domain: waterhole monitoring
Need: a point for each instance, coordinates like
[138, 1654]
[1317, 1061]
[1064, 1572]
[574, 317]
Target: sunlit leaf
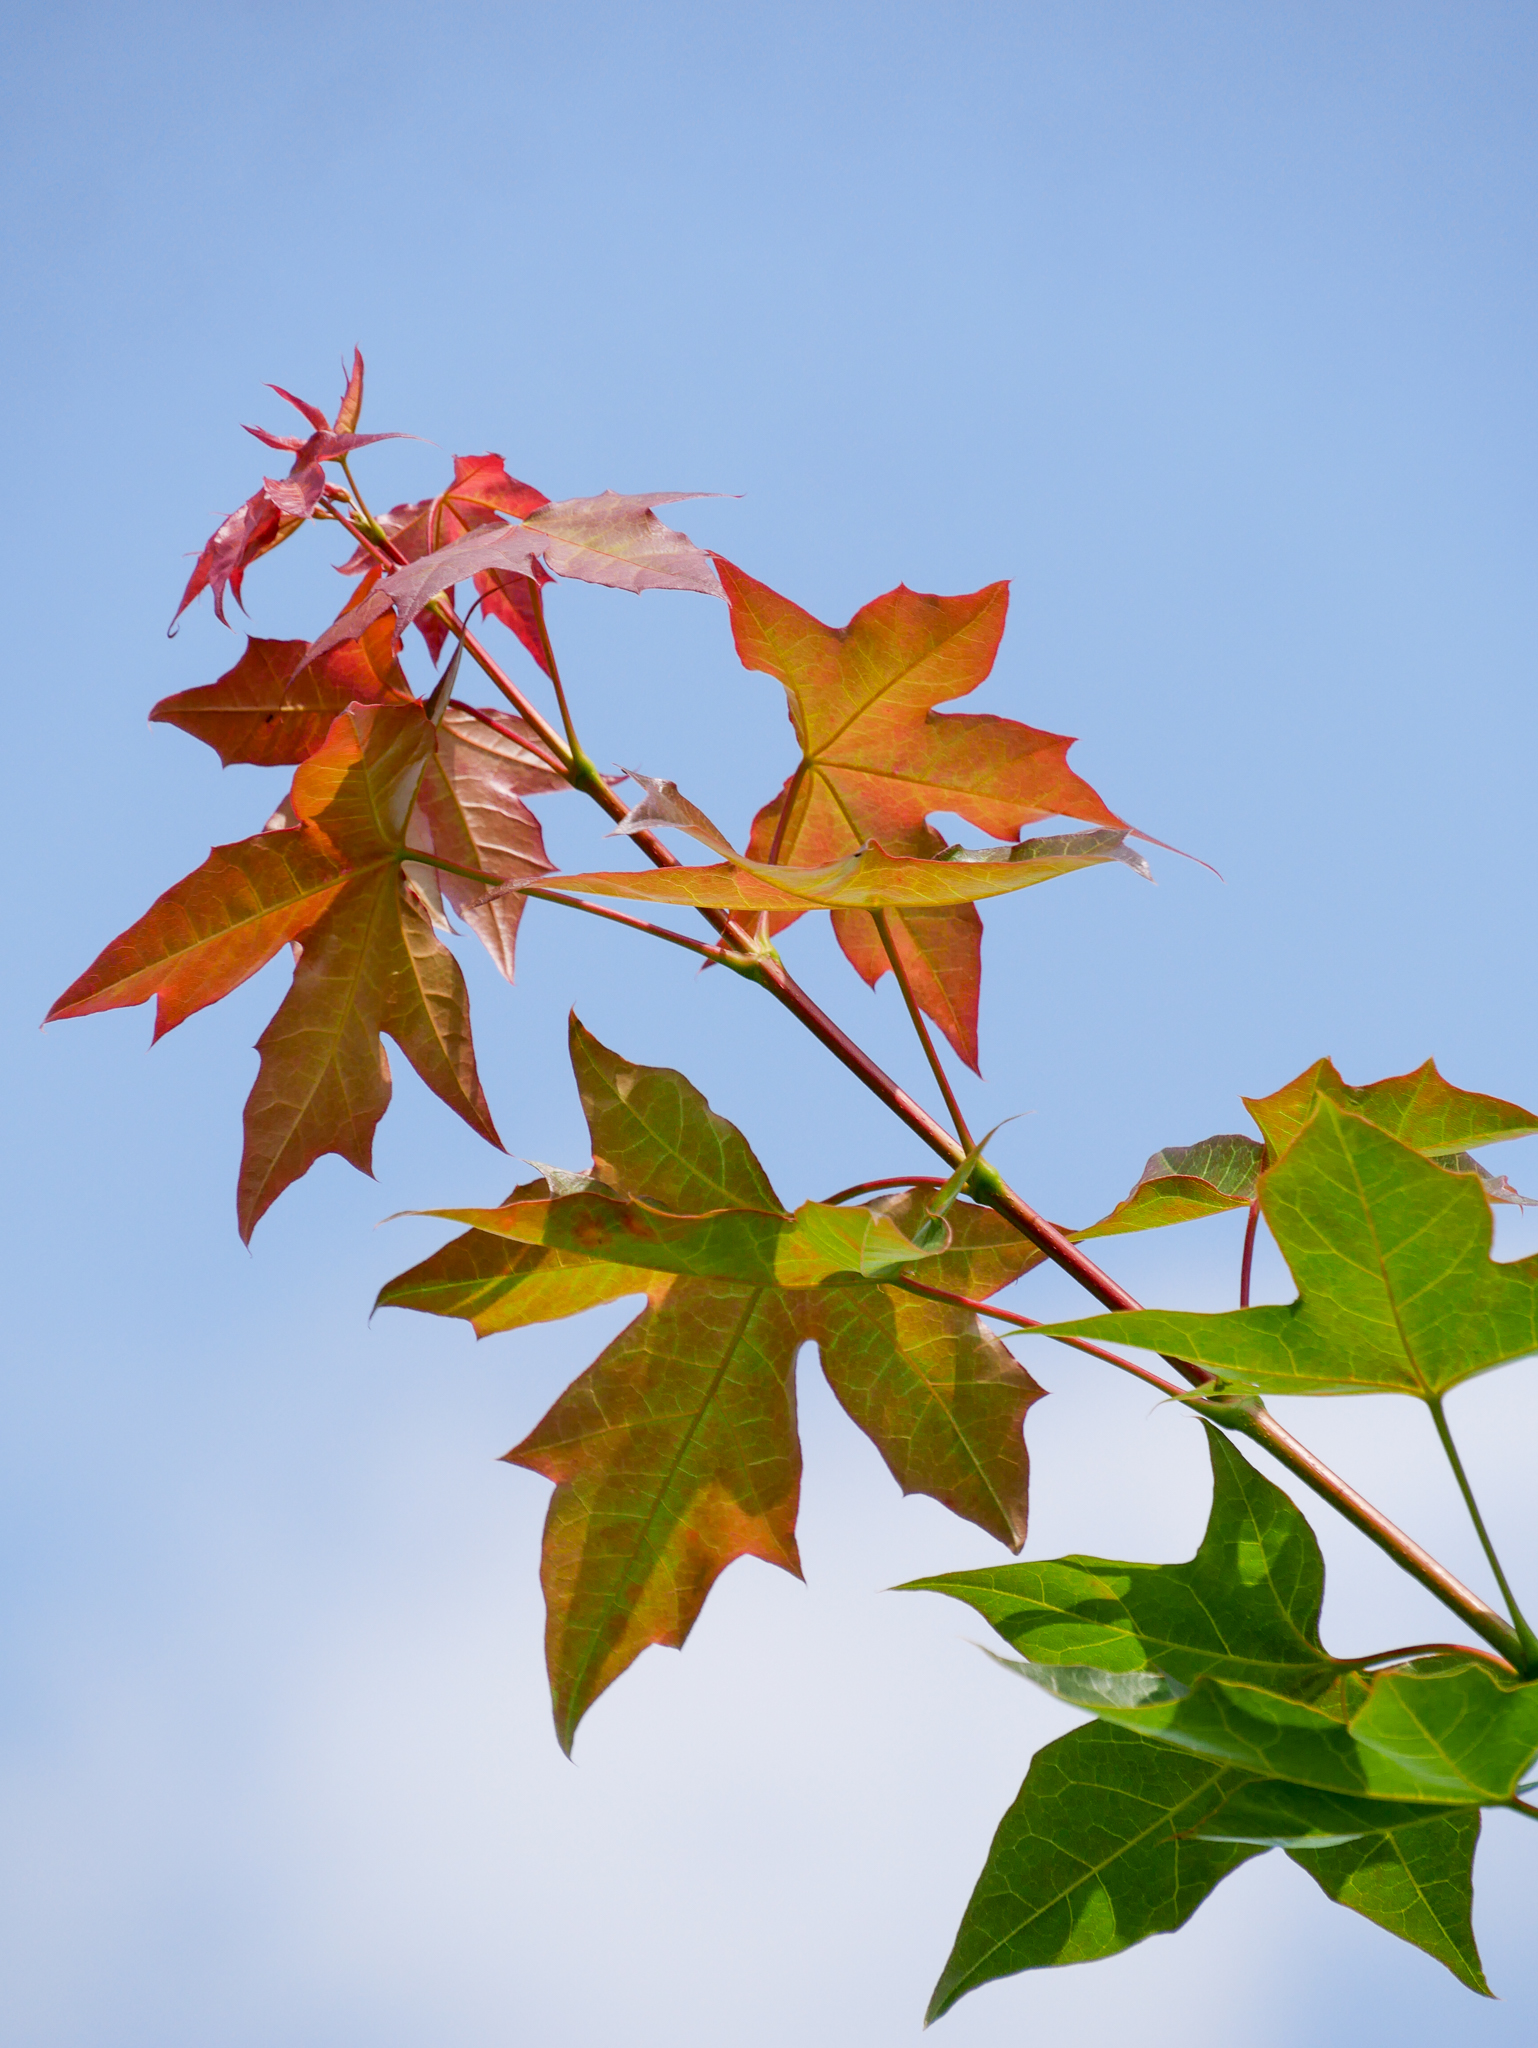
[1420, 1109]
[878, 760]
[211, 931]
[871, 878]
[270, 711]
[1184, 1182]
[469, 811]
[1245, 1608]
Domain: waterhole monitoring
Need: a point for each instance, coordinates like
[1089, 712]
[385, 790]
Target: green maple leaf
[1397, 1290]
[1245, 1608]
[1417, 1881]
[1100, 1850]
[676, 1451]
[1222, 1656]
[1372, 1784]
[1420, 1109]
[1184, 1182]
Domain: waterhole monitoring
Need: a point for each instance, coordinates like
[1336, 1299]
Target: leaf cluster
[1220, 1727]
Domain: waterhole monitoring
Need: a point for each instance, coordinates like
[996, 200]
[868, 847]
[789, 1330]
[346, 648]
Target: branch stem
[1247, 1263]
[1519, 1621]
[716, 955]
[552, 669]
[916, 1017]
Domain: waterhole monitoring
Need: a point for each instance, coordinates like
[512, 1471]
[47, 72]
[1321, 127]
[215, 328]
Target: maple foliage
[1219, 1708]
[612, 540]
[1219, 1725]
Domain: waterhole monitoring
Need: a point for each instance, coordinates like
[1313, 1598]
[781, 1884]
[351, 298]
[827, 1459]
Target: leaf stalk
[916, 1017]
[1519, 1621]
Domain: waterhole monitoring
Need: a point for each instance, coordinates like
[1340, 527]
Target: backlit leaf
[611, 539]
[469, 811]
[372, 965]
[1186, 1181]
[656, 1137]
[282, 505]
[269, 711]
[1420, 1109]
[330, 876]
[878, 760]
[871, 878]
[213, 930]
[494, 1283]
[1440, 1731]
[673, 1454]
[1391, 1257]
[754, 1246]
[481, 494]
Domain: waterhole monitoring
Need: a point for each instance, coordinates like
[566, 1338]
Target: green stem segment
[916, 1016]
[1439, 1417]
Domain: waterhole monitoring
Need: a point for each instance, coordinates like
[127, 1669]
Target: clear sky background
[1212, 326]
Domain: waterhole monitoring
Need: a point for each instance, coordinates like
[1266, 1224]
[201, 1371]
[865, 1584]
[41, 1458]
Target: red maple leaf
[282, 505]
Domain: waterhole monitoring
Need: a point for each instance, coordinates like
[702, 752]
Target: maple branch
[1004, 1315]
[1248, 1260]
[916, 1016]
[1519, 1621]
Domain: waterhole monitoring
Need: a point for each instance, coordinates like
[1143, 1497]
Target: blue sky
[1211, 327]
